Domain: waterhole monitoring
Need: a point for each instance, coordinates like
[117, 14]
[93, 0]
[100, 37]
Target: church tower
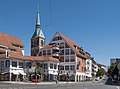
[38, 38]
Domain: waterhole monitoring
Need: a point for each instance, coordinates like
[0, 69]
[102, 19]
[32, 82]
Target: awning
[4, 73]
[16, 73]
[22, 73]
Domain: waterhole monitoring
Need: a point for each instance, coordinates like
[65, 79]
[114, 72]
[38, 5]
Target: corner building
[72, 58]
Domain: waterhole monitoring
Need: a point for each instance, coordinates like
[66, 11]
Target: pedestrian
[56, 81]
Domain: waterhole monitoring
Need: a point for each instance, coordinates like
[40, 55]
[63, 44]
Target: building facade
[72, 58]
[11, 48]
[14, 64]
[88, 69]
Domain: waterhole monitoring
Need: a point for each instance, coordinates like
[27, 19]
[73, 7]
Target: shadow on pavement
[112, 82]
[109, 81]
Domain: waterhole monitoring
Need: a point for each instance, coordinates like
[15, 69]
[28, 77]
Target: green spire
[38, 31]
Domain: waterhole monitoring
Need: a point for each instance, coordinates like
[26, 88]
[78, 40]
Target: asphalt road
[103, 84]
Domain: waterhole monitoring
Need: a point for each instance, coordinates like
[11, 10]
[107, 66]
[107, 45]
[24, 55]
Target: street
[103, 84]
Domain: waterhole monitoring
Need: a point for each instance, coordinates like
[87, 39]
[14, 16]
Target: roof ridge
[71, 44]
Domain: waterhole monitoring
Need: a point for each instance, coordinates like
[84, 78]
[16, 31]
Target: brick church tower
[38, 38]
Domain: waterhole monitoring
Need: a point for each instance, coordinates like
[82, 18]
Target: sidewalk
[40, 83]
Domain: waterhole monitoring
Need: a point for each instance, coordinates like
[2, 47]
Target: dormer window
[57, 38]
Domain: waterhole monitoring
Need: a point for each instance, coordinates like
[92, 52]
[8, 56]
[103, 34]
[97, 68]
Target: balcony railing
[55, 48]
[55, 54]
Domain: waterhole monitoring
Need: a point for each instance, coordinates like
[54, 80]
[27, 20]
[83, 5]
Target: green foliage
[100, 72]
[112, 67]
[40, 70]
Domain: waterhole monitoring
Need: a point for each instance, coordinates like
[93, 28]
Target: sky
[93, 24]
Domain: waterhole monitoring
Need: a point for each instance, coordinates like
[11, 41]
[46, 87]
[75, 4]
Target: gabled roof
[72, 45]
[10, 42]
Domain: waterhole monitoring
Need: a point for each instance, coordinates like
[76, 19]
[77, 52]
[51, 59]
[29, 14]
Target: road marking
[118, 87]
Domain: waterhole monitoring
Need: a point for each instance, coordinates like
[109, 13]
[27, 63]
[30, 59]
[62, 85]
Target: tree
[100, 72]
[39, 70]
[111, 68]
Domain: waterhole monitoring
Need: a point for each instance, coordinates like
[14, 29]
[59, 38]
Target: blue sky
[93, 24]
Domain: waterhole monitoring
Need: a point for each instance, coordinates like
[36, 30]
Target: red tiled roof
[10, 41]
[72, 44]
[2, 55]
[2, 50]
[42, 58]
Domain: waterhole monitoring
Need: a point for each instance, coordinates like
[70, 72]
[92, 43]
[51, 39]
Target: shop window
[7, 63]
[61, 67]
[51, 66]
[45, 66]
[2, 64]
[55, 66]
[14, 64]
[20, 64]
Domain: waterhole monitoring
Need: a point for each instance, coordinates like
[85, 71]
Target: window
[66, 67]
[71, 51]
[67, 51]
[57, 38]
[62, 52]
[62, 59]
[49, 52]
[51, 66]
[72, 58]
[62, 45]
[82, 69]
[32, 43]
[2, 64]
[66, 58]
[77, 66]
[42, 43]
[72, 67]
[79, 63]
[45, 66]
[7, 63]
[20, 64]
[55, 66]
[44, 52]
[14, 64]
[61, 67]
[37, 41]
[66, 46]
